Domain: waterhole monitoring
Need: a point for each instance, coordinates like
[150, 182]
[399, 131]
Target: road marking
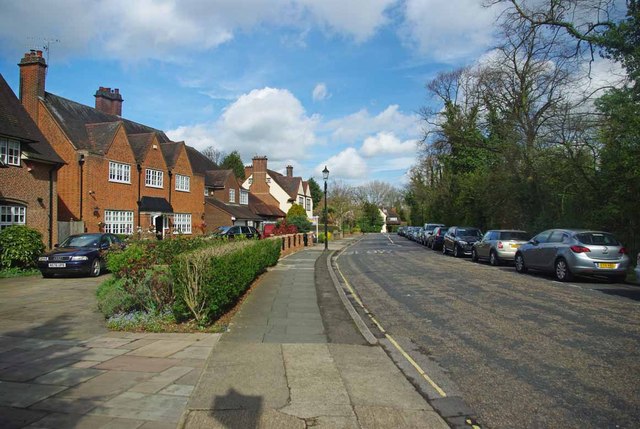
[390, 338]
[389, 238]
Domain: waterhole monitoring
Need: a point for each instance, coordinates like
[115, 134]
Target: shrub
[113, 297]
[210, 280]
[296, 210]
[283, 228]
[20, 246]
[321, 237]
[136, 320]
[301, 223]
[118, 261]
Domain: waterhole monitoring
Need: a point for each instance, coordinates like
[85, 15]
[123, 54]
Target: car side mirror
[534, 242]
[104, 246]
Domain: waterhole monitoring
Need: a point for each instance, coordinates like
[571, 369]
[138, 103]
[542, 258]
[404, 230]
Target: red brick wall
[21, 186]
[32, 82]
[192, 201]
[215, 217]
[99, 194]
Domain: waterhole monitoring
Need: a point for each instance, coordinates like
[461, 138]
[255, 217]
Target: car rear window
[469, 232]
[596, 238]
[514, 235]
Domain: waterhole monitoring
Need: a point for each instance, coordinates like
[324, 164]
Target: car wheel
[444, 249]
[563, 273]
[493, 259]
[95, 268]
[474, 255]
[456, 251]
[520, 266]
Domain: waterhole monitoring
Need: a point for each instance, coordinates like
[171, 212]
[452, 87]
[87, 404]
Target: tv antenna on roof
[46, 47]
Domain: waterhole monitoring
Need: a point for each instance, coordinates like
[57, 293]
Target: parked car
[459, 240]
[78, 254]
[638, 268]
[569, 252]
[499, 245]
[435, 240]
[401, 231]
[428, 231]
[236, 231]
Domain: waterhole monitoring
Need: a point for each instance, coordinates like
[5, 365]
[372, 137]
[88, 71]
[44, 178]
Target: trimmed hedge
[208, 281]
[20, 247]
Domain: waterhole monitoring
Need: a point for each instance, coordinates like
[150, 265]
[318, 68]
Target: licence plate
[57, 265]
[607, 266]
[515, 246]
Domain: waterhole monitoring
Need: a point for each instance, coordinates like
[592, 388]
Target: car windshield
[597, 238]
[89, 240]
[222, 229]
[469, 233]
[514, 235]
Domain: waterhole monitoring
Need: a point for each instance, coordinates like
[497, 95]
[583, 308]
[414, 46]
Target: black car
[237, 231]
[459, 240]
[78, 254]
[436, 238]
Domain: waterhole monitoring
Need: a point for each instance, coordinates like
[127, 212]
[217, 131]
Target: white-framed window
[232, 195]
[183, 183]
[10, 151]
[118, 221]
[182, 223]
[12, 215]
[154, 178]
[206, 192]
[308, 204]
[244, 196]
[119, 172]
[300, 201]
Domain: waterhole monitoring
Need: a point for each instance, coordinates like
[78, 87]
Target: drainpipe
[81, 164]
[170, 177]
[54, 168]
[139, 167]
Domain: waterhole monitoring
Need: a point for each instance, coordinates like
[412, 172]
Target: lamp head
[325, 173]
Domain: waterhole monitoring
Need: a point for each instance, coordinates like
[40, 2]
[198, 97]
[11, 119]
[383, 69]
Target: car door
[234, 231]
[483, 246]
[449, 238]
[549, 249]
[532, 252]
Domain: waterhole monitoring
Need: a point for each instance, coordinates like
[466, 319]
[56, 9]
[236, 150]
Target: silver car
[499, 245]
[568, 252]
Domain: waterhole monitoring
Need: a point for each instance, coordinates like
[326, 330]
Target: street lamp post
[325, 176]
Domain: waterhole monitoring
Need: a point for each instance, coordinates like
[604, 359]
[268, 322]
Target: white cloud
[347, 164]
[266, 121]
[385, 143]
[449, 31]
[320, 92]
[362, 124]
[167, 30]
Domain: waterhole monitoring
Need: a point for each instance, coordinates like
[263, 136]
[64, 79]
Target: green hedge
[20, 247]
[210, 280]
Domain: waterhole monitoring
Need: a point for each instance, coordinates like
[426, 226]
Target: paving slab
[136, 363]
[164, 347]
[392, 417]
[15, 418]
[107, 385]
[68, 376]
[70, 421]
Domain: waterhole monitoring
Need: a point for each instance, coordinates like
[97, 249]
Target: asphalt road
[522, 350]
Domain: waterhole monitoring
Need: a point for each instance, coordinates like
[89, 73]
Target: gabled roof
[290, 185]
[100, 136]
[171, 152]
[199, 162]
[16, 123]
[73, 118]
[236, 210]
[140, 144]
[217, 178]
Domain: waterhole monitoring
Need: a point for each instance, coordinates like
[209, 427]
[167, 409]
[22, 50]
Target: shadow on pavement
[237, 411]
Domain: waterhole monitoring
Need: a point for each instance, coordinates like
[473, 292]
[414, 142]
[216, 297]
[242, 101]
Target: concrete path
[60, 367]
[276, 369]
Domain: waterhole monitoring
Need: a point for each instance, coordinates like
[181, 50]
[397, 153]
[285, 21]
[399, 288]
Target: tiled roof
[199, 162]
[171, 151]
[155, 204]
[263, 209]
[236, 210]
[140, 144]
[73, 118]
[16, 123]
[217, 178]
[290, 185]
[100, 136]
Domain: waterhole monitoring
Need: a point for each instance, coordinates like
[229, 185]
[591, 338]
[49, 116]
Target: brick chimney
[289, 170]
[32, 79]
[259, 184]
[109, 101]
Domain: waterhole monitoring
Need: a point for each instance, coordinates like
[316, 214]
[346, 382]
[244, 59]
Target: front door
[158, 222]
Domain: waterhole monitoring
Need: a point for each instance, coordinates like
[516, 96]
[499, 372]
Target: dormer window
[232, 195]
[244, 196]
[10, 151]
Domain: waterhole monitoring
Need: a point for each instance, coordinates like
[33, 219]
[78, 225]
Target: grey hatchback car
[569, 252]
[499, 245]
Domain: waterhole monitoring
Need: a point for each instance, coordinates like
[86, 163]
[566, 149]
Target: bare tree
[214, 154]
[378, 193]
[341, 199]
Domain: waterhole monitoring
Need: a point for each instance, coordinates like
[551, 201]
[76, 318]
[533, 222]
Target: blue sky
[304, 82]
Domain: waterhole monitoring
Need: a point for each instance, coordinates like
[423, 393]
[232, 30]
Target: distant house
[392, 220]
[274, 188]
[28, 170]
[119, 175]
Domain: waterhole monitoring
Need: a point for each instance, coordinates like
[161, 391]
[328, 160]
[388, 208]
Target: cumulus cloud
[165, 30]
[385, 143]
[266, 121]
[362, 124]
[348, 164]
[448, 31]
[320, 92]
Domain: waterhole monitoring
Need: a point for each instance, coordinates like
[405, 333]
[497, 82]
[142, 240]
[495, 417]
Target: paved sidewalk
[276, 369]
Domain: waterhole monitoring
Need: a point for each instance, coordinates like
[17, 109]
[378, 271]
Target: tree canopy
[233, 162]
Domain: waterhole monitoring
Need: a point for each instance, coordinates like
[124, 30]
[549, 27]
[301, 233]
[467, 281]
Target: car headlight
[43, 258]
[79, 258]
[464, 243]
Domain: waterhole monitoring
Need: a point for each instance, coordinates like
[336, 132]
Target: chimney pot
[39, 53]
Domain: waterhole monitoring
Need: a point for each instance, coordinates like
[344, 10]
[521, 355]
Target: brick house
[277, 189]
[28, 170]
[119, 175]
